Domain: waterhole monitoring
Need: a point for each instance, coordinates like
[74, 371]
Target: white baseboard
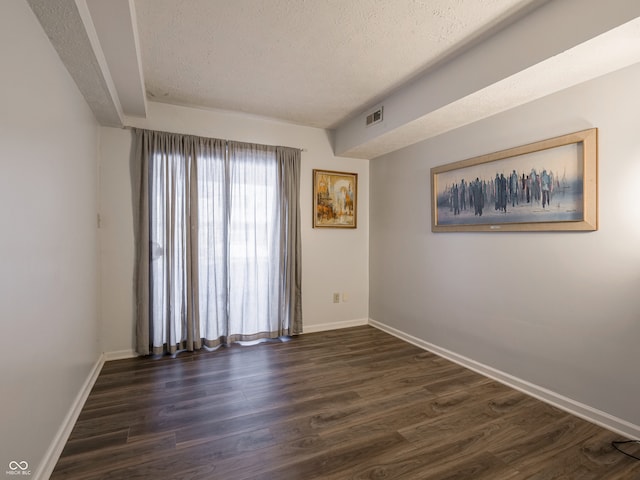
[578, 409]
[323, 327]
[51, 456]
[119, 355]
[586, 412]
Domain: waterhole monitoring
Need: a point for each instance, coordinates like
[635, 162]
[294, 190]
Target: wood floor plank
[216, 427]
[355, 403]
[100, 461]
[333, 459]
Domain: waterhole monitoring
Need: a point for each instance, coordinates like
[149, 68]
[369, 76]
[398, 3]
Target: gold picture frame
[551, 185]
[335, 199]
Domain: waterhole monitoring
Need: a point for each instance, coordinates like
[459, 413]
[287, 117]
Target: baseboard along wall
[586, 412]
[323, 327]
[51, 456]
[578, 409]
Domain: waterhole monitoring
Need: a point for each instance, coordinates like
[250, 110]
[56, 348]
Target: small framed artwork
[549, 185]
[335, 199]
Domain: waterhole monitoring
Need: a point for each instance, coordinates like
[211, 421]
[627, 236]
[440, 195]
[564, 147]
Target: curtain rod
[129, 127]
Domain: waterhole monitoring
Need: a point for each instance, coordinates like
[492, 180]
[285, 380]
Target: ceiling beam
[63, 24]
[117, 32]
[98, 43]
[473, 85]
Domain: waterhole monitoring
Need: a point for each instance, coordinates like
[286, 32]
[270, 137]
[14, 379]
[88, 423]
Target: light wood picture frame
[335, 199]
[551, 185]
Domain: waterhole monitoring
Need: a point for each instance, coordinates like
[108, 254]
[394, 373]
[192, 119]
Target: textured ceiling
[309, 62]
[434, 65]
[613, 50]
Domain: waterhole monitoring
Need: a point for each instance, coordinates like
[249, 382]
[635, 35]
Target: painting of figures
[548, 185]
[335, 202]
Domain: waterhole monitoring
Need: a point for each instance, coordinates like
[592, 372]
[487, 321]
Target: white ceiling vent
[374, 117]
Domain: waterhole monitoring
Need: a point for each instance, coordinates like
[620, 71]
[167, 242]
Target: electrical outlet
[345, 297]
[336, 298]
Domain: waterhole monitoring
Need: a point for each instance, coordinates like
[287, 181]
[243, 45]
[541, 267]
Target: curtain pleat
[217, 231]
[291, 244]
[212, 252]
[139, 169]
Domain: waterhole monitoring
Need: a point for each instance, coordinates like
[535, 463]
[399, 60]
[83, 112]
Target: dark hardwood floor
[348, 404]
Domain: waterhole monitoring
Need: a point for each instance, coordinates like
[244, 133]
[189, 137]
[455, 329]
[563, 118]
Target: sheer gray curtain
[218, 251]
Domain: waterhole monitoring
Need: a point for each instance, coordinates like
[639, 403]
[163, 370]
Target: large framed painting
[335, 199]
[549, 185]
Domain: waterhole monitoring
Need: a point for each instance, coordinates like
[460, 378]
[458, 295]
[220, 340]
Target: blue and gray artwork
[543, 186]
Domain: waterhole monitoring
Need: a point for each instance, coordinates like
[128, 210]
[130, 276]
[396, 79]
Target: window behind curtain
[216, 246]
[254, 240]
[168, 226]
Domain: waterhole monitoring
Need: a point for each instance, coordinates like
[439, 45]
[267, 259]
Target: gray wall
[559, 311]
[48, 241]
